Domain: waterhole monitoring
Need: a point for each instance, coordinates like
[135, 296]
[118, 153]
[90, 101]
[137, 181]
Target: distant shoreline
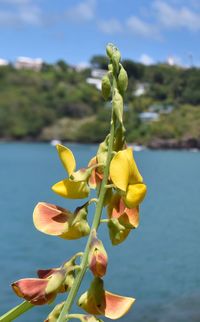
[157, 144]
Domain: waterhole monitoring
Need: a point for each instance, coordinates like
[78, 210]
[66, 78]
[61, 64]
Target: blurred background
[52, 59]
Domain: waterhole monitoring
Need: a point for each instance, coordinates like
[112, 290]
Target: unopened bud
[109, 50]
[118, 105]
[122, 81]
[106, 87]
[116, 59]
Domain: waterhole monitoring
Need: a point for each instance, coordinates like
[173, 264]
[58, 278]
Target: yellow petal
[134, 174]
[135, 194]
[116, 305]
[67, 158]
[119, 170]
[70, 189]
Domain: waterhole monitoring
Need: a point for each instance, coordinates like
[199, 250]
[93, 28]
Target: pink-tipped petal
[96, 177]
[98, 264]
[33, 290]
[129, 217]
[116, 305]
[51, 219]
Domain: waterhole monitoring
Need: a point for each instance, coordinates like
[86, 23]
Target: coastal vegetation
[57, 102]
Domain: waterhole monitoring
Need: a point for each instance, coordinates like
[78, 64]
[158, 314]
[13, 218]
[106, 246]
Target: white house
[28, 63]
[3, 62]
[148, 116]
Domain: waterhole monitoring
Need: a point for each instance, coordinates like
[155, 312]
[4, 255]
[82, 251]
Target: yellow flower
[126, 177]
[69, 188]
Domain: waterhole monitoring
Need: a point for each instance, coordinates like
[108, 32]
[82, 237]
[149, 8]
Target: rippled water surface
[159, 263]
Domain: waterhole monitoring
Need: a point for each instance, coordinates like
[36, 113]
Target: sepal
[55, 313]
[117, 232]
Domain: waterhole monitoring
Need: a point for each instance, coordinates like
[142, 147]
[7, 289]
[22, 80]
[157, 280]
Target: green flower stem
[104, 221]
[95, 224]
[16, 311]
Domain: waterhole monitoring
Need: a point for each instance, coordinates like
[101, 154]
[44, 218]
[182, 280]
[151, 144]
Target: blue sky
[146, 31]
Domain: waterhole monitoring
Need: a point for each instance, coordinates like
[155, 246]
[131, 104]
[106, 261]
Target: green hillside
[57, 102]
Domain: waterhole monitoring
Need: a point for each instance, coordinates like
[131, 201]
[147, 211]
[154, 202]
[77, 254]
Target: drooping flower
[69, 188]
[97, 301]
[121, 219]
[39, 291]
[57, 221]
[127, 178]
[98, 258]
[128, 217]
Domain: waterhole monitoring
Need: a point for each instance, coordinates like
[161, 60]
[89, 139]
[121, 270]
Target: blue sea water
[158, 264]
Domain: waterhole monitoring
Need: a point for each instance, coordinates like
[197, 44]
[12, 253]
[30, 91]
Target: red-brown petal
[44, 273]
[33, 290]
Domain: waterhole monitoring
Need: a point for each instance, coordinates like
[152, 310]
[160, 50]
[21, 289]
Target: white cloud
[31, 15]
[142, 28]
[84, 11]
[24, 15]
[146, 59]
[111, 26]
[182, 17]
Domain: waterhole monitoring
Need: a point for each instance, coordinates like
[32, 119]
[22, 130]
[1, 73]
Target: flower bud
[103, 146]
[98, 258]
[122, 81]
[116, 59]
[106, 87]
[118, 105]
[109, 50]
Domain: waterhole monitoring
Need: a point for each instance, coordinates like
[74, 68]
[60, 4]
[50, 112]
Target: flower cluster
[113, 173]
